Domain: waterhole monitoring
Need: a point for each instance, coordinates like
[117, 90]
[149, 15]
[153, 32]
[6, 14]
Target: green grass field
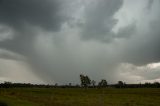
[79, 97]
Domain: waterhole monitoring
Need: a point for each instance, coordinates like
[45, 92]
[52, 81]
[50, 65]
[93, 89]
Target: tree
[93, 83]
[70, 84]
[102, 83]
[82, 80]
[56, 84]
[120, 84]
[85, 80]
[156, 84]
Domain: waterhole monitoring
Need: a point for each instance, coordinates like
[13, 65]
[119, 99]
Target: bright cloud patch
[147, 73]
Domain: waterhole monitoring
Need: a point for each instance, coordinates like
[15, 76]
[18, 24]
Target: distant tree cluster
[87, 82]
[121, 84]
[29, 85]
[102, 83]
[23, 85]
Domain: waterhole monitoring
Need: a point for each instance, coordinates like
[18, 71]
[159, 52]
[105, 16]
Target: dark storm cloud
[99, 19]
[23, 15]
[54, 49]
[42, 13]
[144, 48]
[26, 18]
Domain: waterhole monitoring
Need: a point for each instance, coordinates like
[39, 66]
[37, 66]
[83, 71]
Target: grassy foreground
[79, 97]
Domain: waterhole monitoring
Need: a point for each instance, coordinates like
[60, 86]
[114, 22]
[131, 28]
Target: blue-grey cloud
[18, 13]
[99, 20]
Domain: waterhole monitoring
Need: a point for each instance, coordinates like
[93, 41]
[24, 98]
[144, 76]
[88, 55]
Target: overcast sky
[54, 41]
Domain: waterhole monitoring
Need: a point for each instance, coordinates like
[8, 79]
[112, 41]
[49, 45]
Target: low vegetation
[80, 97]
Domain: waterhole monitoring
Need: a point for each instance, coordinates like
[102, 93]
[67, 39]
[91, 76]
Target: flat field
[79, 97]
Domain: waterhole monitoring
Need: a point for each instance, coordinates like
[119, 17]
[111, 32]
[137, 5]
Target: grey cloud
[145, 49]
[26, 19]
[127, 31]
[150, 3]
[5, 33]
[40, 13]
[22, 42]
[60, 55]
[22, 16]
[99, 19]
[132, 73]
[11, 55]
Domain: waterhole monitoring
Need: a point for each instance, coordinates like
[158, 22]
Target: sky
[54, 41]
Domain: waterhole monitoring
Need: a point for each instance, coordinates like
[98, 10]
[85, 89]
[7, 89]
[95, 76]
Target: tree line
[85, 82]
